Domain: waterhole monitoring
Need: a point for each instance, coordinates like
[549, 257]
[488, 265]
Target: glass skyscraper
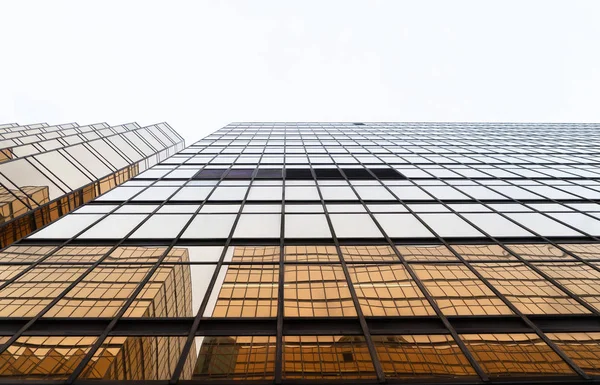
[48, 171]
[323, 252]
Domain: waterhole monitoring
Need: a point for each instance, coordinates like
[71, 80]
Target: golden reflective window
[577, 277]
[583, 250]
[48, 358]
[235, 358]
[247, 291]
[513, 355]
[527, 290]
[255, 254]
[137, 358]
[316, 291]
[369, 253]
[7, 272]
[326, 357]
[102, 293]
[457, 291]
[532, 252]
[34, 290]
[24, 253]
[168, 293]
[415, 356]
[132, 254]
[582, 348]
[426, 253]
[387, 290]
[311, 254]
[483, 252]
[78, 254]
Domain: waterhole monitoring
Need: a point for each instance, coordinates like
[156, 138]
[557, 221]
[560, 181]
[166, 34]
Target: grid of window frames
[323, 252]
[48, 171]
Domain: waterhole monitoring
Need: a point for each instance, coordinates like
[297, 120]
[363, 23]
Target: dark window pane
[387, 173]
[298, 173]
[240, 173]
[211, 173]
[357, 173]
[328, 173]
[269, 173]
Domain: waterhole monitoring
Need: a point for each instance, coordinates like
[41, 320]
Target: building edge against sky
[285, 252]
[48, 171]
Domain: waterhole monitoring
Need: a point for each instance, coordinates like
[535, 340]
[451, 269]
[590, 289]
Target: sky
[200, 65]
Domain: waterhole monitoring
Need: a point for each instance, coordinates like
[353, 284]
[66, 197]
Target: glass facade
[316, 252]
[48, 171]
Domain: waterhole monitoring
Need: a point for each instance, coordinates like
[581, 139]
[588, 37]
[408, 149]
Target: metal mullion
[81, 277]
[192, 334]
[526, 262]
[547, 240]
[280, 283]
[510, 251]
[545, 198]
[361, 318]
[73, 376]
[480, 372]
[550, 343]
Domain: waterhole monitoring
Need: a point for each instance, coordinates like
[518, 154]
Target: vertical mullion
[361, 318]
[28, 324]
[478, 369]
[524, 318]
[281, 282]
[192, 334]
[146, 279]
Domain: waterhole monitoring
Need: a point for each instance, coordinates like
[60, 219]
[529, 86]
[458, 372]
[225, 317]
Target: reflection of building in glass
[48, 171]
[313, 253]
[101, 294]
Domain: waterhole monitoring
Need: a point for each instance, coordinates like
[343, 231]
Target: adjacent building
[48, 171]
[320, 252]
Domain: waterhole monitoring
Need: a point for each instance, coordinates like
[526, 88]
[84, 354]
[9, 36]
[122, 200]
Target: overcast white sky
[199, 65]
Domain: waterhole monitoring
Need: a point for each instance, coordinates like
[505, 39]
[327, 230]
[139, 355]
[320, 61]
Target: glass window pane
[514, 355]
[388, 290]
[450, 225]
[206, 226]
[258, 226]
[582, 348]
[497, 226]
[458, 291]
[317, 291]
[311, 254]
[162, 226]
[245, 291]
[419, 356]
[354, 226]
[233, 358]
[137, 358]
[67, 226]
[543, 225]
[113, 226]
[527, 290]
[326, 357]
[44, 357]
[306, 226]
[403, 226]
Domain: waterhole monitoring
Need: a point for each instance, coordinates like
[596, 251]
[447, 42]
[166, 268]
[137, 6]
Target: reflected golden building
[102, 293]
